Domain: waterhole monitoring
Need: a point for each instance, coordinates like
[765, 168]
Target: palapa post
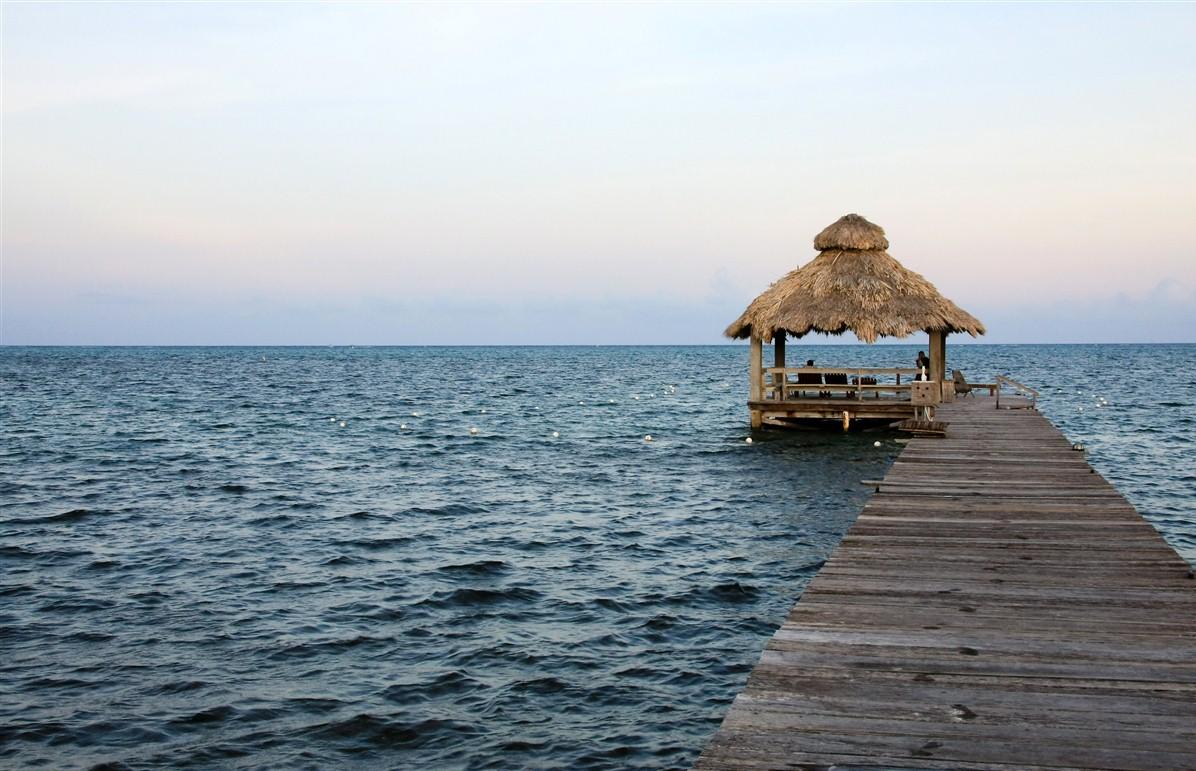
[853, 285]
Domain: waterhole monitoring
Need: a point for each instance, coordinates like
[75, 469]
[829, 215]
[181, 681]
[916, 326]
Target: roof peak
[851, 231]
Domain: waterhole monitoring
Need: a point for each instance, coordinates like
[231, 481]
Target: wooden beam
[778, 349]
[943, 357]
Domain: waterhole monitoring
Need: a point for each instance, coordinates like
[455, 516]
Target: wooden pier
[997, 605]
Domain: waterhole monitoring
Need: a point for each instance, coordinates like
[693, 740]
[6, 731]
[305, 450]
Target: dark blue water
[302, 558]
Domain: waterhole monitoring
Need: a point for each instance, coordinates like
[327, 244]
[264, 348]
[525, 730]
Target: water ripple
[203, 567]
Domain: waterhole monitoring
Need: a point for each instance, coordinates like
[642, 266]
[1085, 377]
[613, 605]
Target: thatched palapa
[852, 285]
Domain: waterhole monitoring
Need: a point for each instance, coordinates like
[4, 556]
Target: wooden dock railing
[1019, 388]
[778, 383]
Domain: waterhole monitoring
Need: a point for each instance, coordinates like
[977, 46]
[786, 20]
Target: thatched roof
[853, 285]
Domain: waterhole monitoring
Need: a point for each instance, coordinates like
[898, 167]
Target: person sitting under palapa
[923, 365]
[808, 378]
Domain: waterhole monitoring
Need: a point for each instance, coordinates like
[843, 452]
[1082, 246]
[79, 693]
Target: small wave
[660, 622]
[387, 614]
[360, 515]
[466, 598]
[637, 672]
[541, 685]
[271, 519]
[56, 682]
[374, 544]
[611, 639]
[608, 695]
[33, 732]
[479, 568]
[345, 559]
[150, 597]
[284, 585]
[177, 686]
[16, 589]
[89, 637]
[74, 515]
[620, 753]
[305, 506]
[447, 684]
[309, 649]
[315, 706]
[449, 510]
[237, 489]
[732, 591]
[687, 678]
[72, 605]
[207, 716]
[521, 746]
[383, 732]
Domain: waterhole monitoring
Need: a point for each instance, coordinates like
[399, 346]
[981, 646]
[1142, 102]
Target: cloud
[1165, 313]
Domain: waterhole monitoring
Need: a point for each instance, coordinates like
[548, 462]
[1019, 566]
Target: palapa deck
[997, 605]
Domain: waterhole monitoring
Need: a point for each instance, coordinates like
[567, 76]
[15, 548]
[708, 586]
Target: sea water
[448, 557]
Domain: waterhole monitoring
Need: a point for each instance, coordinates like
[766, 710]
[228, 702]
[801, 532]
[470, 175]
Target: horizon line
[730, 343]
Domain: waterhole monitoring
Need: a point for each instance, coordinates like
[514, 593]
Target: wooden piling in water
[997, 605]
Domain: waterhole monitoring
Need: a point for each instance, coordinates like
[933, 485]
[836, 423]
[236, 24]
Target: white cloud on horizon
[113, 317]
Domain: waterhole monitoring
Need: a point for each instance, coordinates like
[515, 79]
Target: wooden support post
[756, 375]
[778, 360]
[938, 355]
[943, 357]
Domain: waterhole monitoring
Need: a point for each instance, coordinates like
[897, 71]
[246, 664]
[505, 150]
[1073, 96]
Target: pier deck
[997, 605]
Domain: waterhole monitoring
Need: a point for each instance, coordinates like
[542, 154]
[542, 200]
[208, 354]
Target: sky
[317, 173]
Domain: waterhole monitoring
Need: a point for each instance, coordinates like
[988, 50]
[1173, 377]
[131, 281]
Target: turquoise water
[303, 558]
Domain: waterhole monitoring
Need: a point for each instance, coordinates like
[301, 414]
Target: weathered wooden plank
[936, 642]
[838, 677]
[956, 721]
[997, 605]
[811, 613]
[736, 748]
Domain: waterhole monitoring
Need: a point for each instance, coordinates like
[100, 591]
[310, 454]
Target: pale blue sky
[440, 173]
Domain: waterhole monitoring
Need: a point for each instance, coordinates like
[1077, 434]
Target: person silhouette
[923, 366]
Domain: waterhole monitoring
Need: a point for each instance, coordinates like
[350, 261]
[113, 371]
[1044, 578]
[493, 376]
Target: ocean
[449, 557]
